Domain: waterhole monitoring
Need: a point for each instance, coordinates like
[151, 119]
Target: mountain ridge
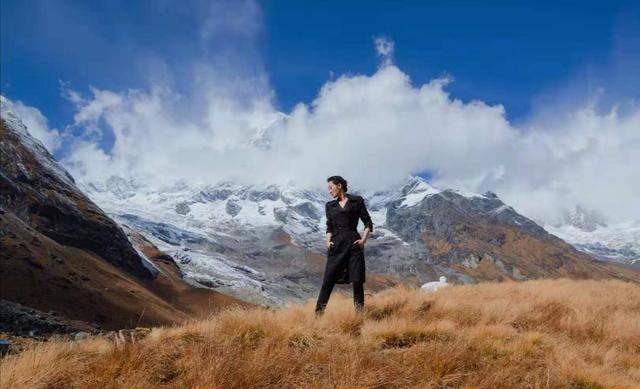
[214, 214]
[263, 243]
[60, 252]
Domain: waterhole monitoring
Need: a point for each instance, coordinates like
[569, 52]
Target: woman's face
[333, 189]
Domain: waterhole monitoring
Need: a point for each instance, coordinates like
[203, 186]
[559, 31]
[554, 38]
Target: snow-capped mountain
[583, 220]
[60, 252]
[617, 243]
[588, 232]
[263, 137]
[36, 188]
[265, 243]
[233, 237]
[17, 128]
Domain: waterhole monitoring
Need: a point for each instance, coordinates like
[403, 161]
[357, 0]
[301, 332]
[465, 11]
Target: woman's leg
[323, 298]
[358, 296]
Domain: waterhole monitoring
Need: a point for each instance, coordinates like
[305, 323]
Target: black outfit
[345, 261]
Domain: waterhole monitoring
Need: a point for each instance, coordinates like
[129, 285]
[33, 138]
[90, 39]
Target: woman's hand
[360, 243]
[329, 244]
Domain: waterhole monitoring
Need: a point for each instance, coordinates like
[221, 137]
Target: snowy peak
[14, 125]
[415, 190]
[223, 207]
[587, 231]
[616, 243]
[420, 204]
[264, 136]
[119, 187]
[228, 205]
[582, 219]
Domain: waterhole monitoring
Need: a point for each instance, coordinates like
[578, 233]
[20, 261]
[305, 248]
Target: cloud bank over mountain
[373, 129]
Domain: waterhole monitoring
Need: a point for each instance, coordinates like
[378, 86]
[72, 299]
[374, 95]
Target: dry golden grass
[534, 334]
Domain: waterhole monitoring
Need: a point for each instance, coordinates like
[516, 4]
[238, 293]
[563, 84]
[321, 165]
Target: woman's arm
[329, 224]
[366, 219]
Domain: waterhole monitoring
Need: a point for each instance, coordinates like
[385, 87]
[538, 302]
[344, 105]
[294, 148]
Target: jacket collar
[350, 199]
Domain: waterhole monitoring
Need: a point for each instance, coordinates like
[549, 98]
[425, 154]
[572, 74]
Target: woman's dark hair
[338, 180]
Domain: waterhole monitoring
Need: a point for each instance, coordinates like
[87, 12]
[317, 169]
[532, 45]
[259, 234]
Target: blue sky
[512, 53]
[499, 52]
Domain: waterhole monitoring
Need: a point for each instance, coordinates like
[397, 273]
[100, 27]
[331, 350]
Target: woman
[345, 246]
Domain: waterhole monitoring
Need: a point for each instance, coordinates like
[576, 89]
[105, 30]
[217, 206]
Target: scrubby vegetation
[535, 334]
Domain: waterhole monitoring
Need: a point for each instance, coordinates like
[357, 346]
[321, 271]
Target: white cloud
[38, 126]
[587, 158]
[384, 49]
[373, 130]
[153, 138]
[89, 162]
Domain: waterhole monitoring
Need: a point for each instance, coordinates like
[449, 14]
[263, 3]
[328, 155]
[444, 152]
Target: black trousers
[325, 293]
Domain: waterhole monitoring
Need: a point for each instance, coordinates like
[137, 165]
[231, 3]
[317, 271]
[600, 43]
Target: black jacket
[347, 217]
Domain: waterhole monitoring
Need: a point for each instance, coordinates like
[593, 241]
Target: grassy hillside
[538, 334]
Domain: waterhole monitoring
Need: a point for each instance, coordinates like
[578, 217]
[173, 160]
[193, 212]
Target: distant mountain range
[104, 252]
[589, 233]
[265, 243]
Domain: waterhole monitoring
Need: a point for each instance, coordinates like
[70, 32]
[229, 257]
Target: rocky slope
[43, 195]
[60, 252]
[478, 237]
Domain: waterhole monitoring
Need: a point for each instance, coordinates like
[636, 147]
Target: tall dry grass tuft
[537, 334]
